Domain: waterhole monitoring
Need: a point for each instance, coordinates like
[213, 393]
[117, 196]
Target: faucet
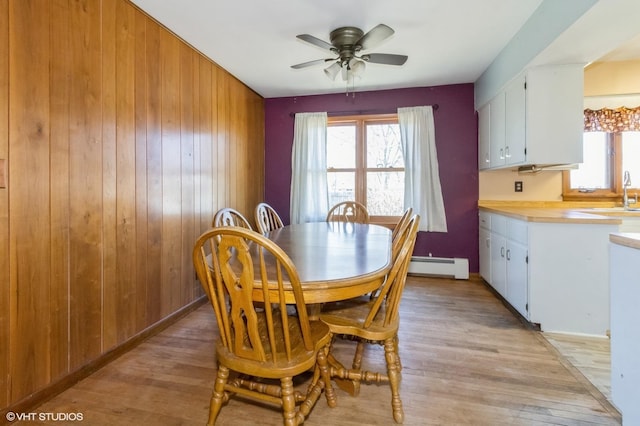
[626, 182]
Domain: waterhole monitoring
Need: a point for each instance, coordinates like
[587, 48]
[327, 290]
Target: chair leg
[357, 357]
[391, 357]
[396, 340]
[217, 396]
[325, 373]
[357, 363]
[288, 402]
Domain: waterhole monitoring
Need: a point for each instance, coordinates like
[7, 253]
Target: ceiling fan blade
[385, 58]
[311, 63]
[376, 35]
[315, 41]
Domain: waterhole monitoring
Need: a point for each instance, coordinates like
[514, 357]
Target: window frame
[615, 193]
[360, 122]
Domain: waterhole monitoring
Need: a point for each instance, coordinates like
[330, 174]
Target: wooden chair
[267, 219]
[230, 217]
[348, 211]
[399, 230]
[266, 339]
[396, 237]
[375, 320]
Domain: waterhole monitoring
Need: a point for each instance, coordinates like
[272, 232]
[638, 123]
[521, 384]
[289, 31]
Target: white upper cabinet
[555, 114]
[497, 123]
[515, 125]
[484, 137]
[536, 120]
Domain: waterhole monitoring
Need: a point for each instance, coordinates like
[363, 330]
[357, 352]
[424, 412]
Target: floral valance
[612, 120]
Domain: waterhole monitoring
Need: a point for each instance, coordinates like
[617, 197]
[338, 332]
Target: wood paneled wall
[121, 143]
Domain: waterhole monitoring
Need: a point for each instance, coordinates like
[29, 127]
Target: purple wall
[456, 141]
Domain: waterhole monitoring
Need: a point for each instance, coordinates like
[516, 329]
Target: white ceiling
[627, 51]
[447, 41]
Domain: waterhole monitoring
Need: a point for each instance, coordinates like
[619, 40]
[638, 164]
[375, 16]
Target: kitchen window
[607, 155]
[365, 164]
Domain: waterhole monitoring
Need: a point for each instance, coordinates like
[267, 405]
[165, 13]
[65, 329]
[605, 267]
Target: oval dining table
[335, 260]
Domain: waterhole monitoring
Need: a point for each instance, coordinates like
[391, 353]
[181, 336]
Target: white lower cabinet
[517, 278]
[554, 274]
[625, 332]
[485, 253]
[499, 264]
[508, 257]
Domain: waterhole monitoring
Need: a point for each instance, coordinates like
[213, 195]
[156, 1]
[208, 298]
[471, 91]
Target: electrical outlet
[518, 186]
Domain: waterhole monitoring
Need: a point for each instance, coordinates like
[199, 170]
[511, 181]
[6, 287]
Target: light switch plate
[3, 173]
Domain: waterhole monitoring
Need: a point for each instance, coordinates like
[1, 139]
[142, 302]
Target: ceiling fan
[348, 43]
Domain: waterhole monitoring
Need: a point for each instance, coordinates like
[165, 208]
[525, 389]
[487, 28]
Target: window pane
[341, 187]
[385, 193]
[594, 172]
[383, 146]
[341, 147]
[631, 156]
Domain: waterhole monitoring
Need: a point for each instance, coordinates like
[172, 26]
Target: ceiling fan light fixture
[333, 70]
[357, 67]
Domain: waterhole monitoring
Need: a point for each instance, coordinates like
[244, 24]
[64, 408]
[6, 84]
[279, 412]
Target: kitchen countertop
[627, 239]
[553, 212]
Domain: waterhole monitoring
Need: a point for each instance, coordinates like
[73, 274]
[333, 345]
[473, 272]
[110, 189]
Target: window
[606, 157]
[365, 164]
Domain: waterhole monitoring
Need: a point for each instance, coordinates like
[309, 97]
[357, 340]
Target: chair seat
[348, 317]
[301, 360]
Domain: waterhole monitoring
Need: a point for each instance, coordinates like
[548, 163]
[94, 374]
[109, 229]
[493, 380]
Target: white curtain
[309, 190]
[422, 189]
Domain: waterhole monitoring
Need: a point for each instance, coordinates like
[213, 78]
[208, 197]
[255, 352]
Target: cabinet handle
[487, 159]
[501, 251]
[507, 153]
[487, 241]
[502, 153]
[508, 254]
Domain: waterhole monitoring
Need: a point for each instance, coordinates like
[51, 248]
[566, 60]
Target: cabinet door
[517, 277]
[484, 137]
[498, 248]
[485, 254]
[497, 120]
[515, 118]
[555, 120]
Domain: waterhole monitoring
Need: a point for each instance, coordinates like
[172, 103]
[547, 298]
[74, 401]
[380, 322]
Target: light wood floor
[590, 355]
[466, 361]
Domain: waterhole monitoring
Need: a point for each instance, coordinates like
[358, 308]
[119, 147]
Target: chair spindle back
[348, 211]
[267, 219]
[229, 262]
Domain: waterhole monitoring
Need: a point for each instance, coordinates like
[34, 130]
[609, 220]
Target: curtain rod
[364, 112]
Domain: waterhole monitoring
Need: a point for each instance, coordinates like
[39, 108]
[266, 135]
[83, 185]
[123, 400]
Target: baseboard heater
[440, 266]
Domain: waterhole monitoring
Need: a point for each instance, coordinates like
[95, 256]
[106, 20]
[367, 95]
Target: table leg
[313, 311]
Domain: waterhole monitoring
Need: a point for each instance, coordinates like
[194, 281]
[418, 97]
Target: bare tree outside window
[365, 164]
